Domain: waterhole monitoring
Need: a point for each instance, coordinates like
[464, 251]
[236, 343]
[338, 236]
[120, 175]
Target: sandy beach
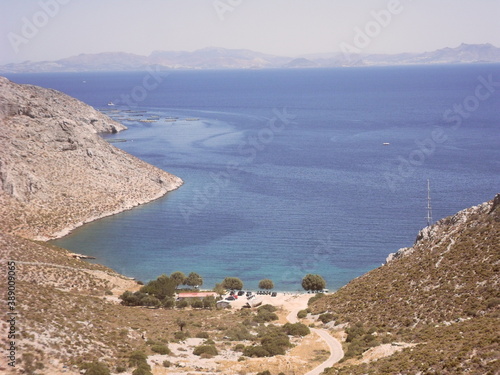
[289, 301]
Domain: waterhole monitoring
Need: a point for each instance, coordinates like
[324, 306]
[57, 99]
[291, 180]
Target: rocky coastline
[57, 173]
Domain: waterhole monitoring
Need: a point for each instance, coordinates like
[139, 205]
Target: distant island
[221, 58]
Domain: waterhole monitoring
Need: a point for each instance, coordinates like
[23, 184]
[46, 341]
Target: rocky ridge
[441, 229]
[56, 172]
[441, 294]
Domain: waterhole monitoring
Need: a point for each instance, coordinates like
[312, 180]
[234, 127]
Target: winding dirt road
[336, 352]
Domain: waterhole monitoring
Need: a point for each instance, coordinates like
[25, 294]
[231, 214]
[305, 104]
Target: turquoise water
[285, 170]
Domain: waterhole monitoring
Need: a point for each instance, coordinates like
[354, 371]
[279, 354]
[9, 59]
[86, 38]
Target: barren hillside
[56, 172]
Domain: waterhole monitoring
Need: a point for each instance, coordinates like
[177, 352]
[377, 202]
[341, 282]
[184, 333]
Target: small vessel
[111, 104]
[386, 143]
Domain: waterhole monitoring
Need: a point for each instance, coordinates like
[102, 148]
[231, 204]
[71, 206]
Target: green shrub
[239, 348]
[315, 298]
[167, 363]
[202, 335]
[209, 302]
[302, 314]
[205, 349]
[97, 368]
[255, 351]
[297, 329]
[136, 358]
[327, 317]
[274, 340]
[239, 333]
[266, 372]
[267, 307]
[265, 314]
[168, 303]
[179, 335]
[160, 349]
[181, 304]
[142, 371]
[197, 304]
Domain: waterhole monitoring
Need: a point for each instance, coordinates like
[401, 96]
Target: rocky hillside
[56, 172]
[442, 294]
[68, 313]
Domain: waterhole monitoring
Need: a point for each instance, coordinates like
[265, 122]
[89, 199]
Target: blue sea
[288, 172]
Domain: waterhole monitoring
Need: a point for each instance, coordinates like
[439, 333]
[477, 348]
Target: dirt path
[336, 352]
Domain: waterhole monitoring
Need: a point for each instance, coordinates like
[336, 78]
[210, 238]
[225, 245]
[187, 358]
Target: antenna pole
[429, 207]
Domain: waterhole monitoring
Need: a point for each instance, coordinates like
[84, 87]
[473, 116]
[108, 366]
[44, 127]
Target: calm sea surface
[285, 170]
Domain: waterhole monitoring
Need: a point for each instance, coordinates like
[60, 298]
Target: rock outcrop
[56, 172]
[445, 228]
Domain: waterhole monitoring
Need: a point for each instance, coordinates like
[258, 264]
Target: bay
[285, 170]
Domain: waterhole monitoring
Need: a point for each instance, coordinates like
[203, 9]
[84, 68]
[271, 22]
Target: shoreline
[66, 231]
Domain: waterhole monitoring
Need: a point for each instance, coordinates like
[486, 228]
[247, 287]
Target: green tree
[232, 283]
[181, 323]
[178, 277]
[313, 282]
[266, 284]
[162, 287]
[194, 280]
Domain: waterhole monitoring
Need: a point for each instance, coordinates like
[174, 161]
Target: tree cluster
[160, 292]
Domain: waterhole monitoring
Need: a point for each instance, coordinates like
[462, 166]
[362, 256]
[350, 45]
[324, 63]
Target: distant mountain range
[221, 58]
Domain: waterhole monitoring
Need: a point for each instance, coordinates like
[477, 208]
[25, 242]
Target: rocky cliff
[56, 172]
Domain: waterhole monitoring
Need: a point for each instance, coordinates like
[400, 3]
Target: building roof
[197, 295]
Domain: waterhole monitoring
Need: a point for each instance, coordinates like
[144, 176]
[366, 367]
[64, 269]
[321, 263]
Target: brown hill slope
[56, 173]
[443, 293]
[67, 313]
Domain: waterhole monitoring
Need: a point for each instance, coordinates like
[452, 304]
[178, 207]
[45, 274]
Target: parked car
[230, 298]
[274, 294]
[249, 294]
[241, 292]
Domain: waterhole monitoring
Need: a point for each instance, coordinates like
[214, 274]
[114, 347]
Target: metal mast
[429, 207]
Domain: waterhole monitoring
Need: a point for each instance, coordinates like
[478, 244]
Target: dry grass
[449, 279]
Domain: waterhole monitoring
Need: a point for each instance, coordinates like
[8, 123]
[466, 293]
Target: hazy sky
[52, 29]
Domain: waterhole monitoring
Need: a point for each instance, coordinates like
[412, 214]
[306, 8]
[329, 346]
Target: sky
[40, 30]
